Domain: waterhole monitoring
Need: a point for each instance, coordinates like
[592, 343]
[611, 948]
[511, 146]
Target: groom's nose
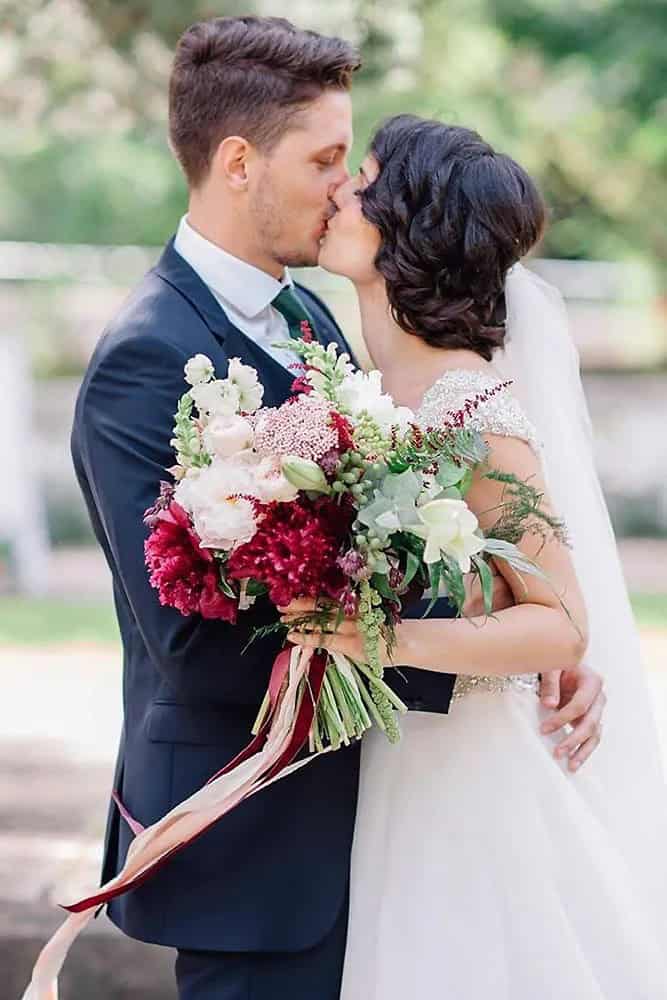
[342, 178]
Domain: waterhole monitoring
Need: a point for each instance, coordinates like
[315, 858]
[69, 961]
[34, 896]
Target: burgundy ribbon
[302, 725]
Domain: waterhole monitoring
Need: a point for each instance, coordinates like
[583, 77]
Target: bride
[483, 865]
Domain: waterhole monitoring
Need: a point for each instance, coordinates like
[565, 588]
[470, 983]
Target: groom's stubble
[293, 196]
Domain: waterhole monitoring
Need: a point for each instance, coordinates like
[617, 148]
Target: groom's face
[291, 188]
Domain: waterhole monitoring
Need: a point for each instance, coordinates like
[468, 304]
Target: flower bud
[304, 474]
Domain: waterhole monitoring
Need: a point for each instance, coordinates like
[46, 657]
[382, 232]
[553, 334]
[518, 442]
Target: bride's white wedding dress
[481, 868]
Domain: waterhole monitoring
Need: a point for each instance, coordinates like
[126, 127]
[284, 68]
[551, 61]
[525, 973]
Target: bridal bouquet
[336, 496]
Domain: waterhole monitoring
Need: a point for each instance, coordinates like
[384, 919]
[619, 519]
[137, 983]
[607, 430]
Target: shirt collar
[247, 288]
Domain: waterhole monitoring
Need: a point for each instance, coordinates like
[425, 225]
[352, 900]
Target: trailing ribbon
[294, 688]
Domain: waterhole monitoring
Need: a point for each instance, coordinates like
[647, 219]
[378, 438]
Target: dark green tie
[293, 309]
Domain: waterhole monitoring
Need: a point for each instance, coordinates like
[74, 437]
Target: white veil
[540, 356]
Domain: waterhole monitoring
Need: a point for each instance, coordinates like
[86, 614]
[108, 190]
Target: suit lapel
[173, 269]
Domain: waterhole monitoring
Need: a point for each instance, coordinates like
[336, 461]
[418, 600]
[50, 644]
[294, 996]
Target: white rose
[224, 436]
[198, 369]
[218, 397]
[250, 390]
[449, 527]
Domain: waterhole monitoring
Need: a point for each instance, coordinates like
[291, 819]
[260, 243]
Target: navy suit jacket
[272, 875]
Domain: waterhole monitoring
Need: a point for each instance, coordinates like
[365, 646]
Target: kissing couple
[476, 858]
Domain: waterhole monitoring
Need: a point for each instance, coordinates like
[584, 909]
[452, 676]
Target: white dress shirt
[244, 291]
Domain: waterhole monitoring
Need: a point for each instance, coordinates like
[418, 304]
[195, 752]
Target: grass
[650, 610]
[46, 621]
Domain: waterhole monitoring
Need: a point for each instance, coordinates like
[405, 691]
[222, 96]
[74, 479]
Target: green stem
[381, 686]
[334, 711]
[370, 704]
[338, 692]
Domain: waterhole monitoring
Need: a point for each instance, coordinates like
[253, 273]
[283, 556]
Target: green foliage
[521, 510]
[574, 91]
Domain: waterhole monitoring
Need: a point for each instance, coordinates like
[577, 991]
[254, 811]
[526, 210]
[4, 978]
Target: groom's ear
[230, 162]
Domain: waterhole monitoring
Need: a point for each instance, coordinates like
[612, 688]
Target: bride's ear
[230, 162]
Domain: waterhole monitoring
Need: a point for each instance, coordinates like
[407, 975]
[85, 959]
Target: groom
[260, 121]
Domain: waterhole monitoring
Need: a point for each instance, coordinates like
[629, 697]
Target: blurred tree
[614, 56]
[574, 90]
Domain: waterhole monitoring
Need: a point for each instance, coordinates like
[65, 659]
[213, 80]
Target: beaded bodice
[499, 413]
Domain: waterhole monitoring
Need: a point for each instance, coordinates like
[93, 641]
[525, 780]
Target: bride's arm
[537, 634]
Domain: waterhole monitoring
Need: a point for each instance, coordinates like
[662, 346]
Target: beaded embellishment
[500, 414]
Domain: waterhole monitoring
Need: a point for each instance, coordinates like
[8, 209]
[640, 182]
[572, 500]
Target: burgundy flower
[301, 385]
[328, 463]
[295, 549]
[344, 429]
[184, 574]
[349, 602]
[165, 497]
[354, 565]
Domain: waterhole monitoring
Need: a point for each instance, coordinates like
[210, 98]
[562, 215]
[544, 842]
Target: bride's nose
[343, 193]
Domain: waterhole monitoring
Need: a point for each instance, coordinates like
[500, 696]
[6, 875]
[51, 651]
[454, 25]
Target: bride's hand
[346, 639]
[578, 696]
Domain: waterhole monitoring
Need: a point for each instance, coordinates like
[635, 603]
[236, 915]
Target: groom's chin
[302, 259]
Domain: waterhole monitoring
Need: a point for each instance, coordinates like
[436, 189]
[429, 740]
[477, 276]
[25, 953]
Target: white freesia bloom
[449, 527]
[198, 369]
[244, 377]
[226, 435]
[361, 391]
[218, 397]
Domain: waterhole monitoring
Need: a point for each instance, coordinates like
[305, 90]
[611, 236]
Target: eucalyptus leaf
[449, 473]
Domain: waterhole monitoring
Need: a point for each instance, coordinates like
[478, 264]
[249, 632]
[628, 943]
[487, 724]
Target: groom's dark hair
[247, 76]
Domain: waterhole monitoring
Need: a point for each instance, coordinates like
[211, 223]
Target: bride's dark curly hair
[454, 216]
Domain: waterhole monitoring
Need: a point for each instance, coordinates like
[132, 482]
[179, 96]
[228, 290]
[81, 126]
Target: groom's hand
[578, 698]
[575, 694]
